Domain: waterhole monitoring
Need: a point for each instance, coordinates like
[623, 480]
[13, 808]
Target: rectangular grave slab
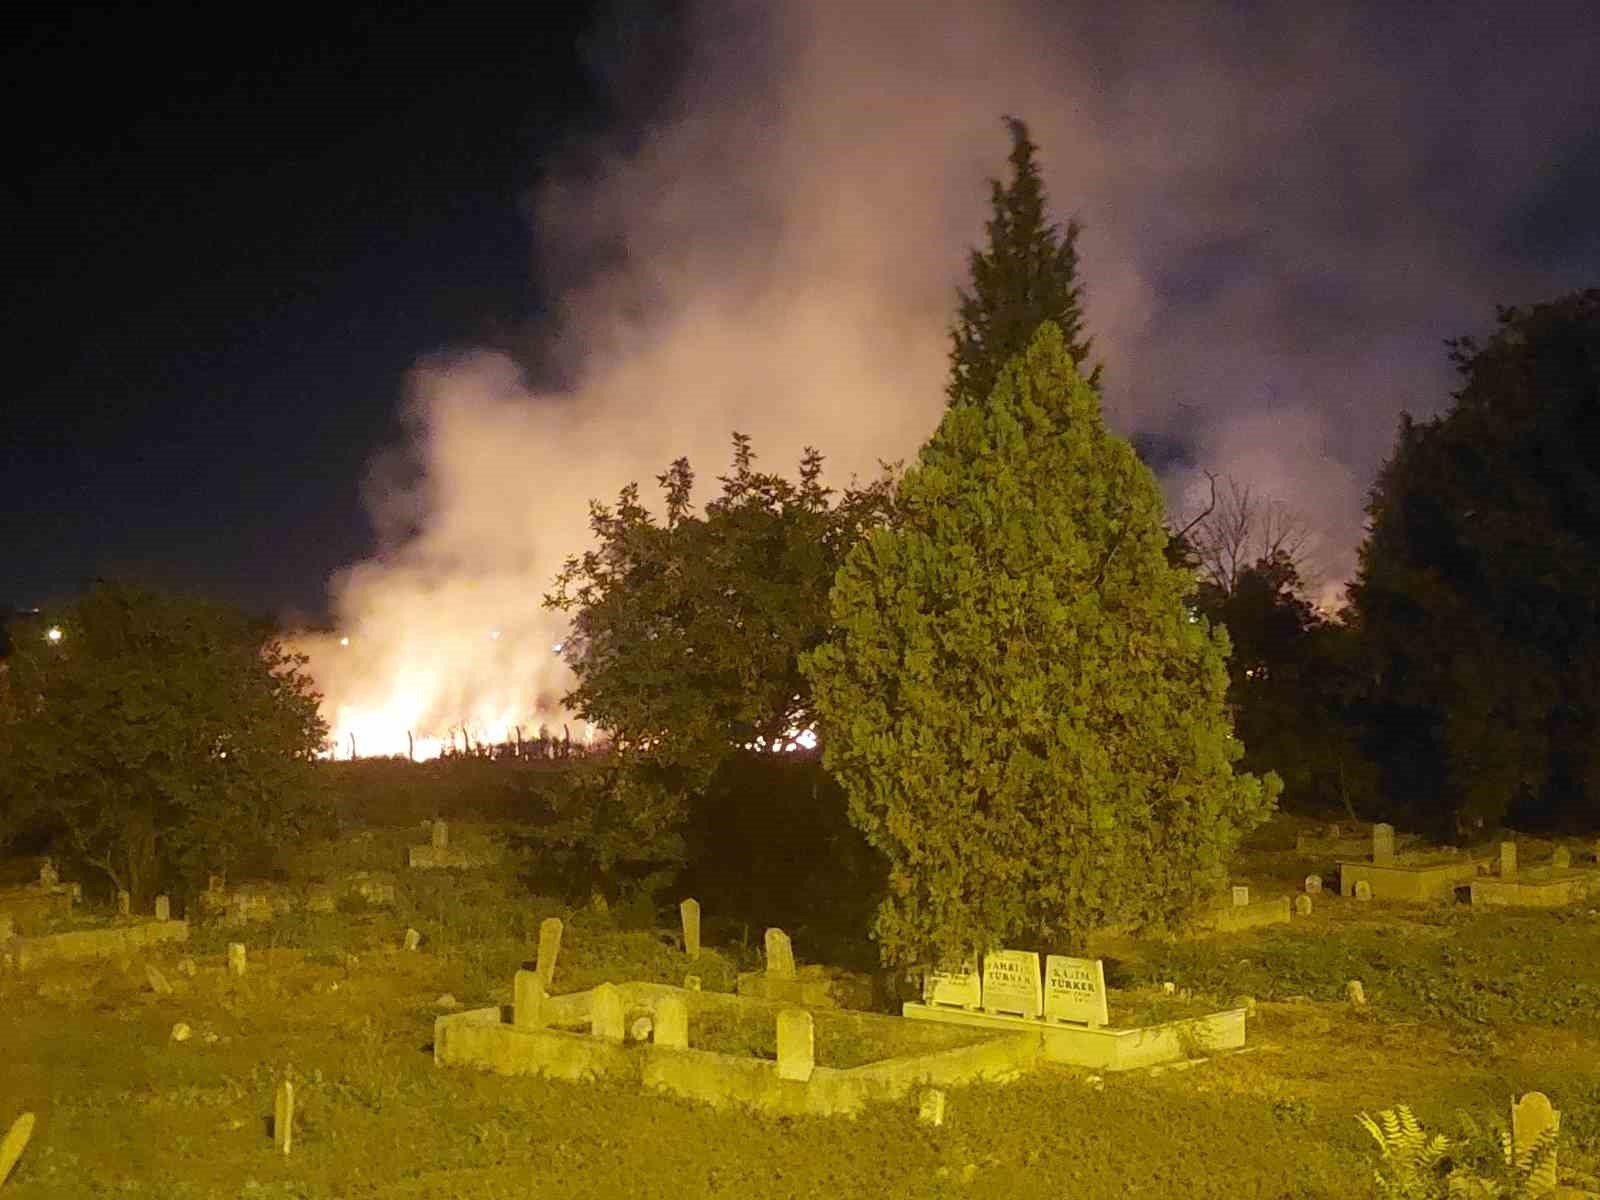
[1535, 893]
[1011, 983]
[1418, 884]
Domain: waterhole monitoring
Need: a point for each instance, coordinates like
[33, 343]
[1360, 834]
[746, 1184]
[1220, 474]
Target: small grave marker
[236, 959]
[642, 1028]
[780, 955]
[413, 939]
[1241, 896]
[124, 903]
[163, 908]
[1313, 885]
[441, 835]
[962, 989]
[1075, 990]
[672, 1023]
[157, 981]
[48, 875]
[691, 983]
[16, 1141]
[797, 1044]
[1302, 905]
[930, 1108]
[1363, 890]
[1356, 994]
[1383, 844]
[605, 1013]
[1011, 983]
[1530, 1118]
[1508, 860]
[283, 1118]
[1561, 859]
[527, 1000]
[689, 913]
[549, 950]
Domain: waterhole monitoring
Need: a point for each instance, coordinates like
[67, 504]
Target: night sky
[230, 244]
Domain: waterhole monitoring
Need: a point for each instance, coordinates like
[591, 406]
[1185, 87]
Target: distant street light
[53, 634]
[344, 641]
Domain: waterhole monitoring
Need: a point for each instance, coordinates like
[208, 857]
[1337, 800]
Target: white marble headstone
[1011, 983]
[1075, 990]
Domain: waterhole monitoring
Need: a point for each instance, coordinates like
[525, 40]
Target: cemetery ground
[1464, 1011]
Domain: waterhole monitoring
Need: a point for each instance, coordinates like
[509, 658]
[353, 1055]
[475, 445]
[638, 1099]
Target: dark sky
[228, 244]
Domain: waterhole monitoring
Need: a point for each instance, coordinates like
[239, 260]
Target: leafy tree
[1026, 275]
[165, 737]
[1478, 594]
[1025, 717]
[687, 631]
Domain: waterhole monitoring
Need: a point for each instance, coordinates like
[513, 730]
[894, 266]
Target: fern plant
[1482, 1164]
[1412, 1163]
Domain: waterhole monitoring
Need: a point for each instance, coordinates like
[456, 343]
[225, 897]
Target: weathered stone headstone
[413, 939]
[930, 1108]
[780, 955]
[1362, 890]
[236, 960]
[1011, 983]
[689, 912]
[1508, 860]
[672, 1023]
[549, 950]
[1241, 896]
[16, 1141]
[797, 1044]
[1383, 844]
[441, 835]
[605, 1013]
[1335, 833]
[124, 903]
[157, 981]
[1302, 905]
[1561, 859]
[961, 989]
[75, 893]
[598, 902]
[1356, 994]
[1075, 990]
[691, 983]
[527, 1000]
[48, 875]
[1313, 885]
[1530, 1118]
[163, 908]
[283, 1118]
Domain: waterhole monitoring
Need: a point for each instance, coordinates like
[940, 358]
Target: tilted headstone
[1241, 897]
[1302, 905]
[1383, 844]
[1530, 1118]
[527, 1000]
[157, 981]
[960, 989]
[1363, 890]
[1508, 859]
[283, 1118]
[605, 1013]
[689, 913]
[1011, 983]
[124, 903]
[1313, 885]
[797, 1044]
[549, 950]
[930, 1108]
[236, 960]
[1075, 990]
[1561, 859]
[413, 939]
[163, 908]
[780, 955]
[16, 1141]
[441, 836]
[672, 1023]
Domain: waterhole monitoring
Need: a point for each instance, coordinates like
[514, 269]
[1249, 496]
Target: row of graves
[41, 922]
[1421, 876]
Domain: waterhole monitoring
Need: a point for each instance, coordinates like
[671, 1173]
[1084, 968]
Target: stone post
[549, 949]
[1383, 844]
[413, 939]
[527, 1001]
[672, 1023]
[236, 960]
[441, 835]
[16, 1141]
[605, 1013]
[797, 1044]
[124, 903]
[1561, 859]
[1241, 897]
[689, 911]
[1508, 860]
[780, 955]
[163, 908]
[283, 1118]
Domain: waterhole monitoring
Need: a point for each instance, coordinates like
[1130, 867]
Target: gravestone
[1356, 994]
[672, 1023]
[930, 1108]
[689, 913]
[413, 939]
[1302, 905]
[16, 1141]
[1383, 844]
[283, 1118]
[1075, 990]
[48, 875]
[797, 1044]
[236, 960]
[186, 968]
[1241, 897]
[961, 989]
[1561, 859]
[527, 1000]
[1363, 890]
[157, 981]
[1011, 983]
[780, 955]
[691, 983]
[1530, 1118]
[124, 903]
[642, 1028]
[1508, 860]
[1335, 833]
[441, 836]
[163, 908]
[549, 950]
[605, 1013]
[1313, 885]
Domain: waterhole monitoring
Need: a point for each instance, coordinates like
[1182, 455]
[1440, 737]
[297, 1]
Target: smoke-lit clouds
[1284, 215]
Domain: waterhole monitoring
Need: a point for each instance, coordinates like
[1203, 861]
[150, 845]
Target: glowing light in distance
[53, 634]
[494, 636]
[344, 641]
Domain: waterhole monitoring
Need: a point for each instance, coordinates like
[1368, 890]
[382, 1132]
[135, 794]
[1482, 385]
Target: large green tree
[1478, 594]
[164, 738]
[1027, 274]
[1028, 721]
